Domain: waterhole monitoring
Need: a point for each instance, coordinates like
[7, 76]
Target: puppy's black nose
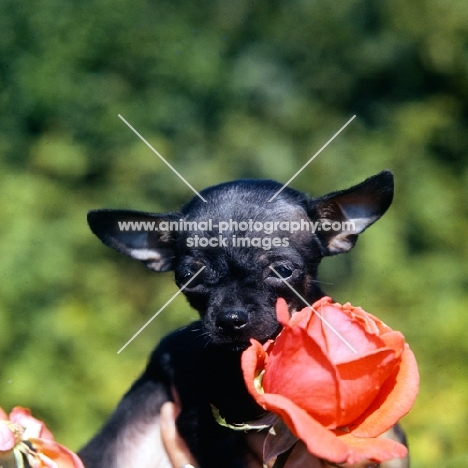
[232, 320]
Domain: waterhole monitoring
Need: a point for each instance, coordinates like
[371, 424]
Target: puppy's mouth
[241, 342]
[234, 347]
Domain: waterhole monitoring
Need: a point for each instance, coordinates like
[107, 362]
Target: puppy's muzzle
[232, 321]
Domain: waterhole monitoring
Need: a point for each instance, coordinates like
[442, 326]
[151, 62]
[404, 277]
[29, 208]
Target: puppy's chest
[215, 379]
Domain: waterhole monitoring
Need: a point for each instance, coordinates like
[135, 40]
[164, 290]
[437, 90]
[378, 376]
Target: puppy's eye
[190, 279]
[282, 271]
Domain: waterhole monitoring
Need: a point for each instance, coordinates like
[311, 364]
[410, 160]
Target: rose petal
[301, 318]
[376, 449]
[340, 335]
[33, 427]
[297, 363]
[358, 387]
[394, 340]
[7, 438]
[56, 453]
[372, 324]
[396, 398]
[282, 311]
[253, 361]
[319, 441]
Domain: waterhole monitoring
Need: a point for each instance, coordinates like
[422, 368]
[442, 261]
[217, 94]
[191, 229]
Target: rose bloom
[23, 437]
[338, 380]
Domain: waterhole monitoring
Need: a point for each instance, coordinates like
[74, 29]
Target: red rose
[338, 380]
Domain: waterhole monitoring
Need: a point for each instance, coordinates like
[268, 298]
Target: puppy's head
[246, 245]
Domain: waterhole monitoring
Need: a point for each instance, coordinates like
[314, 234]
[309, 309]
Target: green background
[226, 89]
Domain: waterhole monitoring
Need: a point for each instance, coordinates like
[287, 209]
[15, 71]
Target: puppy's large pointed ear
[138, 235]
[344, 215]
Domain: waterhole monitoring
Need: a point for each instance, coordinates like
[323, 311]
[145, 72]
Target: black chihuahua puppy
[222, 250]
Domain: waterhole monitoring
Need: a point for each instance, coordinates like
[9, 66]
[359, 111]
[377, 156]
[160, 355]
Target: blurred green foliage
[225, 89]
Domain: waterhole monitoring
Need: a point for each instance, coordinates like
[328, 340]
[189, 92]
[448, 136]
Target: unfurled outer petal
[253, 363]
[376, 449]
[319, 441]
[396, 398]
